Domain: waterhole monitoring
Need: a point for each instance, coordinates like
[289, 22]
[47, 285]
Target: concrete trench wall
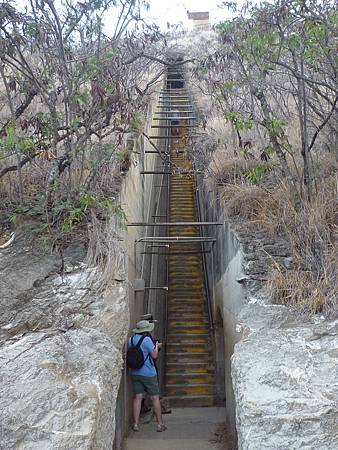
[227, 295]
[274, 402]
[142, 200]
[280, 370]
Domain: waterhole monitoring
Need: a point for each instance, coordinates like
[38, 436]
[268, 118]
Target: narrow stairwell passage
[189, 363]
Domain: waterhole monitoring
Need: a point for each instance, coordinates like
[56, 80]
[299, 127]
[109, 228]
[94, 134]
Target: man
[174, 122]
[144, 380]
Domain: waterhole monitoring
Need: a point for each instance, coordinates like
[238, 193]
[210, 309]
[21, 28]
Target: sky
[174, 11]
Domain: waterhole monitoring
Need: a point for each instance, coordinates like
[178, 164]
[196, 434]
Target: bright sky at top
[163, 12]
[174, 11]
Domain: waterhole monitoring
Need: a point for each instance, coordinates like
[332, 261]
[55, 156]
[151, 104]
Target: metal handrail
[206, 280]
[165, 318]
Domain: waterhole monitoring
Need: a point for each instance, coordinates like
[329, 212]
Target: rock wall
[285, 378]
[62, 380]
[60, 350]
[281, 372]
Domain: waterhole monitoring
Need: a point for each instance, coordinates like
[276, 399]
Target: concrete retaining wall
[140, 201]
[227, 294]
[280, 369]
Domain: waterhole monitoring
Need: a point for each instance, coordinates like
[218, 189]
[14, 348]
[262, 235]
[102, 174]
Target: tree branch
[21, 109]
[15, 167]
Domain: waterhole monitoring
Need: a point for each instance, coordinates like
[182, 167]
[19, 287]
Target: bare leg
[157, 408]
[137, 408]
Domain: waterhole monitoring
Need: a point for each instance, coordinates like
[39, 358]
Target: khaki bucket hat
[144, 325]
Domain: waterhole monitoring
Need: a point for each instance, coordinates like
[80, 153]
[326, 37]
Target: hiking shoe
[135, 427]
[161, 428]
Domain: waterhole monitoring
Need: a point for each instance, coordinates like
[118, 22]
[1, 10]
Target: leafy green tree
[74, 95]
[276, 65]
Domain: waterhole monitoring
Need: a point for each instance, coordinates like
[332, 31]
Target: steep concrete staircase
[189, 378]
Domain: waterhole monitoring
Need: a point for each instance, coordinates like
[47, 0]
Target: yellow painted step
[194, 389]
[185, 378]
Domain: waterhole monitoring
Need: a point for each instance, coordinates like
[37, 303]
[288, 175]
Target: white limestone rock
[285, 379]
[60, 353]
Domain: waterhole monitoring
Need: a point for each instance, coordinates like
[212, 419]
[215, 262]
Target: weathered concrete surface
[282, 379]
[285, 378]
[60, 351]
[188, 429]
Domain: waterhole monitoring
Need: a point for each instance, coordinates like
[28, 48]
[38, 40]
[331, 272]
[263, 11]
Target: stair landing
[188, 429]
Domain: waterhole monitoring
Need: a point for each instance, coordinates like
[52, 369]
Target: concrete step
[195, 293]
[179, 279]
[179, 261]
[184, 275]
[183, 196]
[188, 338]
[184, 217]
[187, 197]
[191, 377]
[179, 229]
[183, 322]
[184, 210]
[187, 246]
[176, 190]
[181, 265]
[193, 367]
[200, 301]
[176, 203]
[188, 358]
[201, 329]
[186, 308]
[188, 347]
[194, 260]
[183, 204]
[183, 299]
[186, 296]
[197, 310]
[183, 288]
[193, 389]
[191, 401]
[182, 285]
[191, 245]
[185, 272]
[188, 316]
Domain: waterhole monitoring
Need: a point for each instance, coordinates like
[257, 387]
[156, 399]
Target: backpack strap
[138, 345]
[140, 341]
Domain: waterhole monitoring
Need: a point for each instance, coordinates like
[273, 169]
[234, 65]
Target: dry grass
[228, 170]
[310, 286]
[105, 253]
[257, 207]
[306, 291]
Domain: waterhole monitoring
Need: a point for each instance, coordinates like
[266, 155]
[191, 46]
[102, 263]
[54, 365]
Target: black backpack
[135, 358]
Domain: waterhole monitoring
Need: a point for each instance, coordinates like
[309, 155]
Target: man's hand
[154, 353]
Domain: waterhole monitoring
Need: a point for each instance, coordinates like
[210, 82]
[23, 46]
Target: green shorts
[145, 384]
